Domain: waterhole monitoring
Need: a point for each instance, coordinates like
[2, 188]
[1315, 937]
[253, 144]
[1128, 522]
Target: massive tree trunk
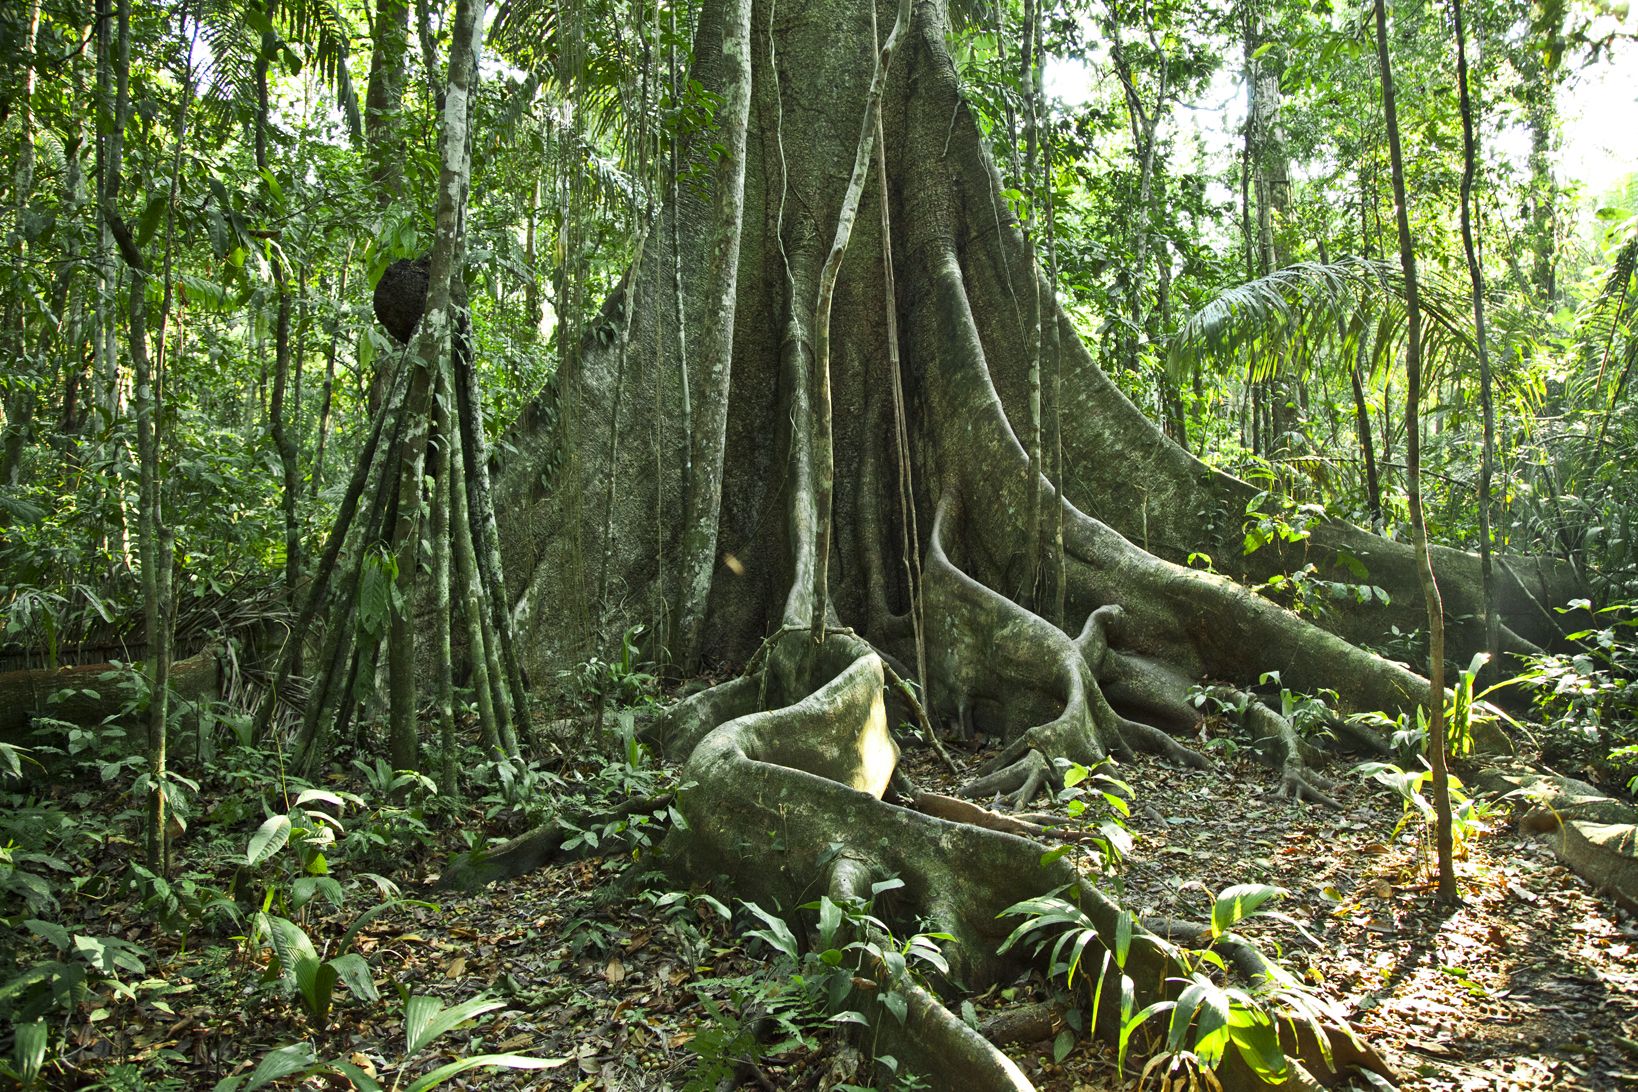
[800, 744]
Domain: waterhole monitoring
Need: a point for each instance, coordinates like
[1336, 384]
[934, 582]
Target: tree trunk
[1487, 462]
[800, 744]
[1436, 743]
[384, 99]
[433, 346]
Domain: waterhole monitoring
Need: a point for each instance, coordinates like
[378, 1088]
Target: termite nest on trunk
[401, 296]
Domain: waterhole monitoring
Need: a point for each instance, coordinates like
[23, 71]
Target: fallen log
[89, 694]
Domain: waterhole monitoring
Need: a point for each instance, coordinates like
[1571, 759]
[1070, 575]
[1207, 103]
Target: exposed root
[1297, 781]
[544, 845]
[811, 771]
[1025, 826]
[1016, 784]
[1593, 833]
[987, 653]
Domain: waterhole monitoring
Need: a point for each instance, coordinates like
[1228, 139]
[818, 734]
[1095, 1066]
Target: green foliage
[312, 979]
[857, 971]
[426, 1019]
[1206, 1018]
[1588, 699]
[622, 683]
[1110, 836]
[1467, 815]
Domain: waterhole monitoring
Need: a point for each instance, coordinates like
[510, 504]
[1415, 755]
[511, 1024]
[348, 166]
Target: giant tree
[803, 486]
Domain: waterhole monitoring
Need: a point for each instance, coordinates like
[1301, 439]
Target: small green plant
[857, 964]
[1309, 714]
[394, 828]
[1206, 1018]
[1468, 710]
[426, 1019]
[1110, 836]
[1588, 699]
[311, 978]
[1053, 920]
[624, 682]
[28, 1053]
[1467, 815]
[309, 831]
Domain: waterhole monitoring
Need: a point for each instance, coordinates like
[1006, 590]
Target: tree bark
[799, 744]
[1487, 461]
[433, 346]
[1437, 744]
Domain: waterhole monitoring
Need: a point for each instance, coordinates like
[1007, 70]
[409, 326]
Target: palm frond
[1291, 320]
[324, 32]
[589, 67]
[1608, 320]
[319, 29]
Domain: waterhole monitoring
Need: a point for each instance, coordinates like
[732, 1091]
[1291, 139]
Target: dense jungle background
[631, 544]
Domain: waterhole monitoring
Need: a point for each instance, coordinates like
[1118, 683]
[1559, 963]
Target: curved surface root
[810, 769]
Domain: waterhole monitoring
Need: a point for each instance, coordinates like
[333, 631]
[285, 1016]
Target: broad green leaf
[894, 1003]
[324, 796]
[1260, 1047]
[269, 838]
[29, 1050]
[275, 1065]
[317, 983]
[830, 919]
[777, 934]
[1235, 904]
[489, 1061]
[425, 1018]
[354, 970]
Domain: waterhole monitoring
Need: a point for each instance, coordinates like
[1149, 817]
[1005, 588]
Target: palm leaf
[1294, 319]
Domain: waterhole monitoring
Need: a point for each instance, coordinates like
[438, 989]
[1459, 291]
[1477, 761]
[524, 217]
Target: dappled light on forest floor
[1531, 983]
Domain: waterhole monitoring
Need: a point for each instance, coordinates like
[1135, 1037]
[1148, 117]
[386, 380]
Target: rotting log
[92, 693]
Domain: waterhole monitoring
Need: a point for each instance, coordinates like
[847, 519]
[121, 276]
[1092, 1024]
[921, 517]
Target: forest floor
[1531, 983]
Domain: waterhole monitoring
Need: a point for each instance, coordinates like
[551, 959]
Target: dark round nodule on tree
[401, 296]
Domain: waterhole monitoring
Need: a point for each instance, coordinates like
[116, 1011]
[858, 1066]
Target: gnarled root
[788, 801]
[987, 653]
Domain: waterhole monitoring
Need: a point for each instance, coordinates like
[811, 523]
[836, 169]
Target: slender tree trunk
[442, 616]
[824, 448]
[328, 390]
[1029, 72]
[152, 538]
[1475, 273]
[1413, 484]
[384, 98]
[20, 401]
[493, 720]
[1362, 426]
[715, 346]
[284, 442]
[432, 347]
[511, 693]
